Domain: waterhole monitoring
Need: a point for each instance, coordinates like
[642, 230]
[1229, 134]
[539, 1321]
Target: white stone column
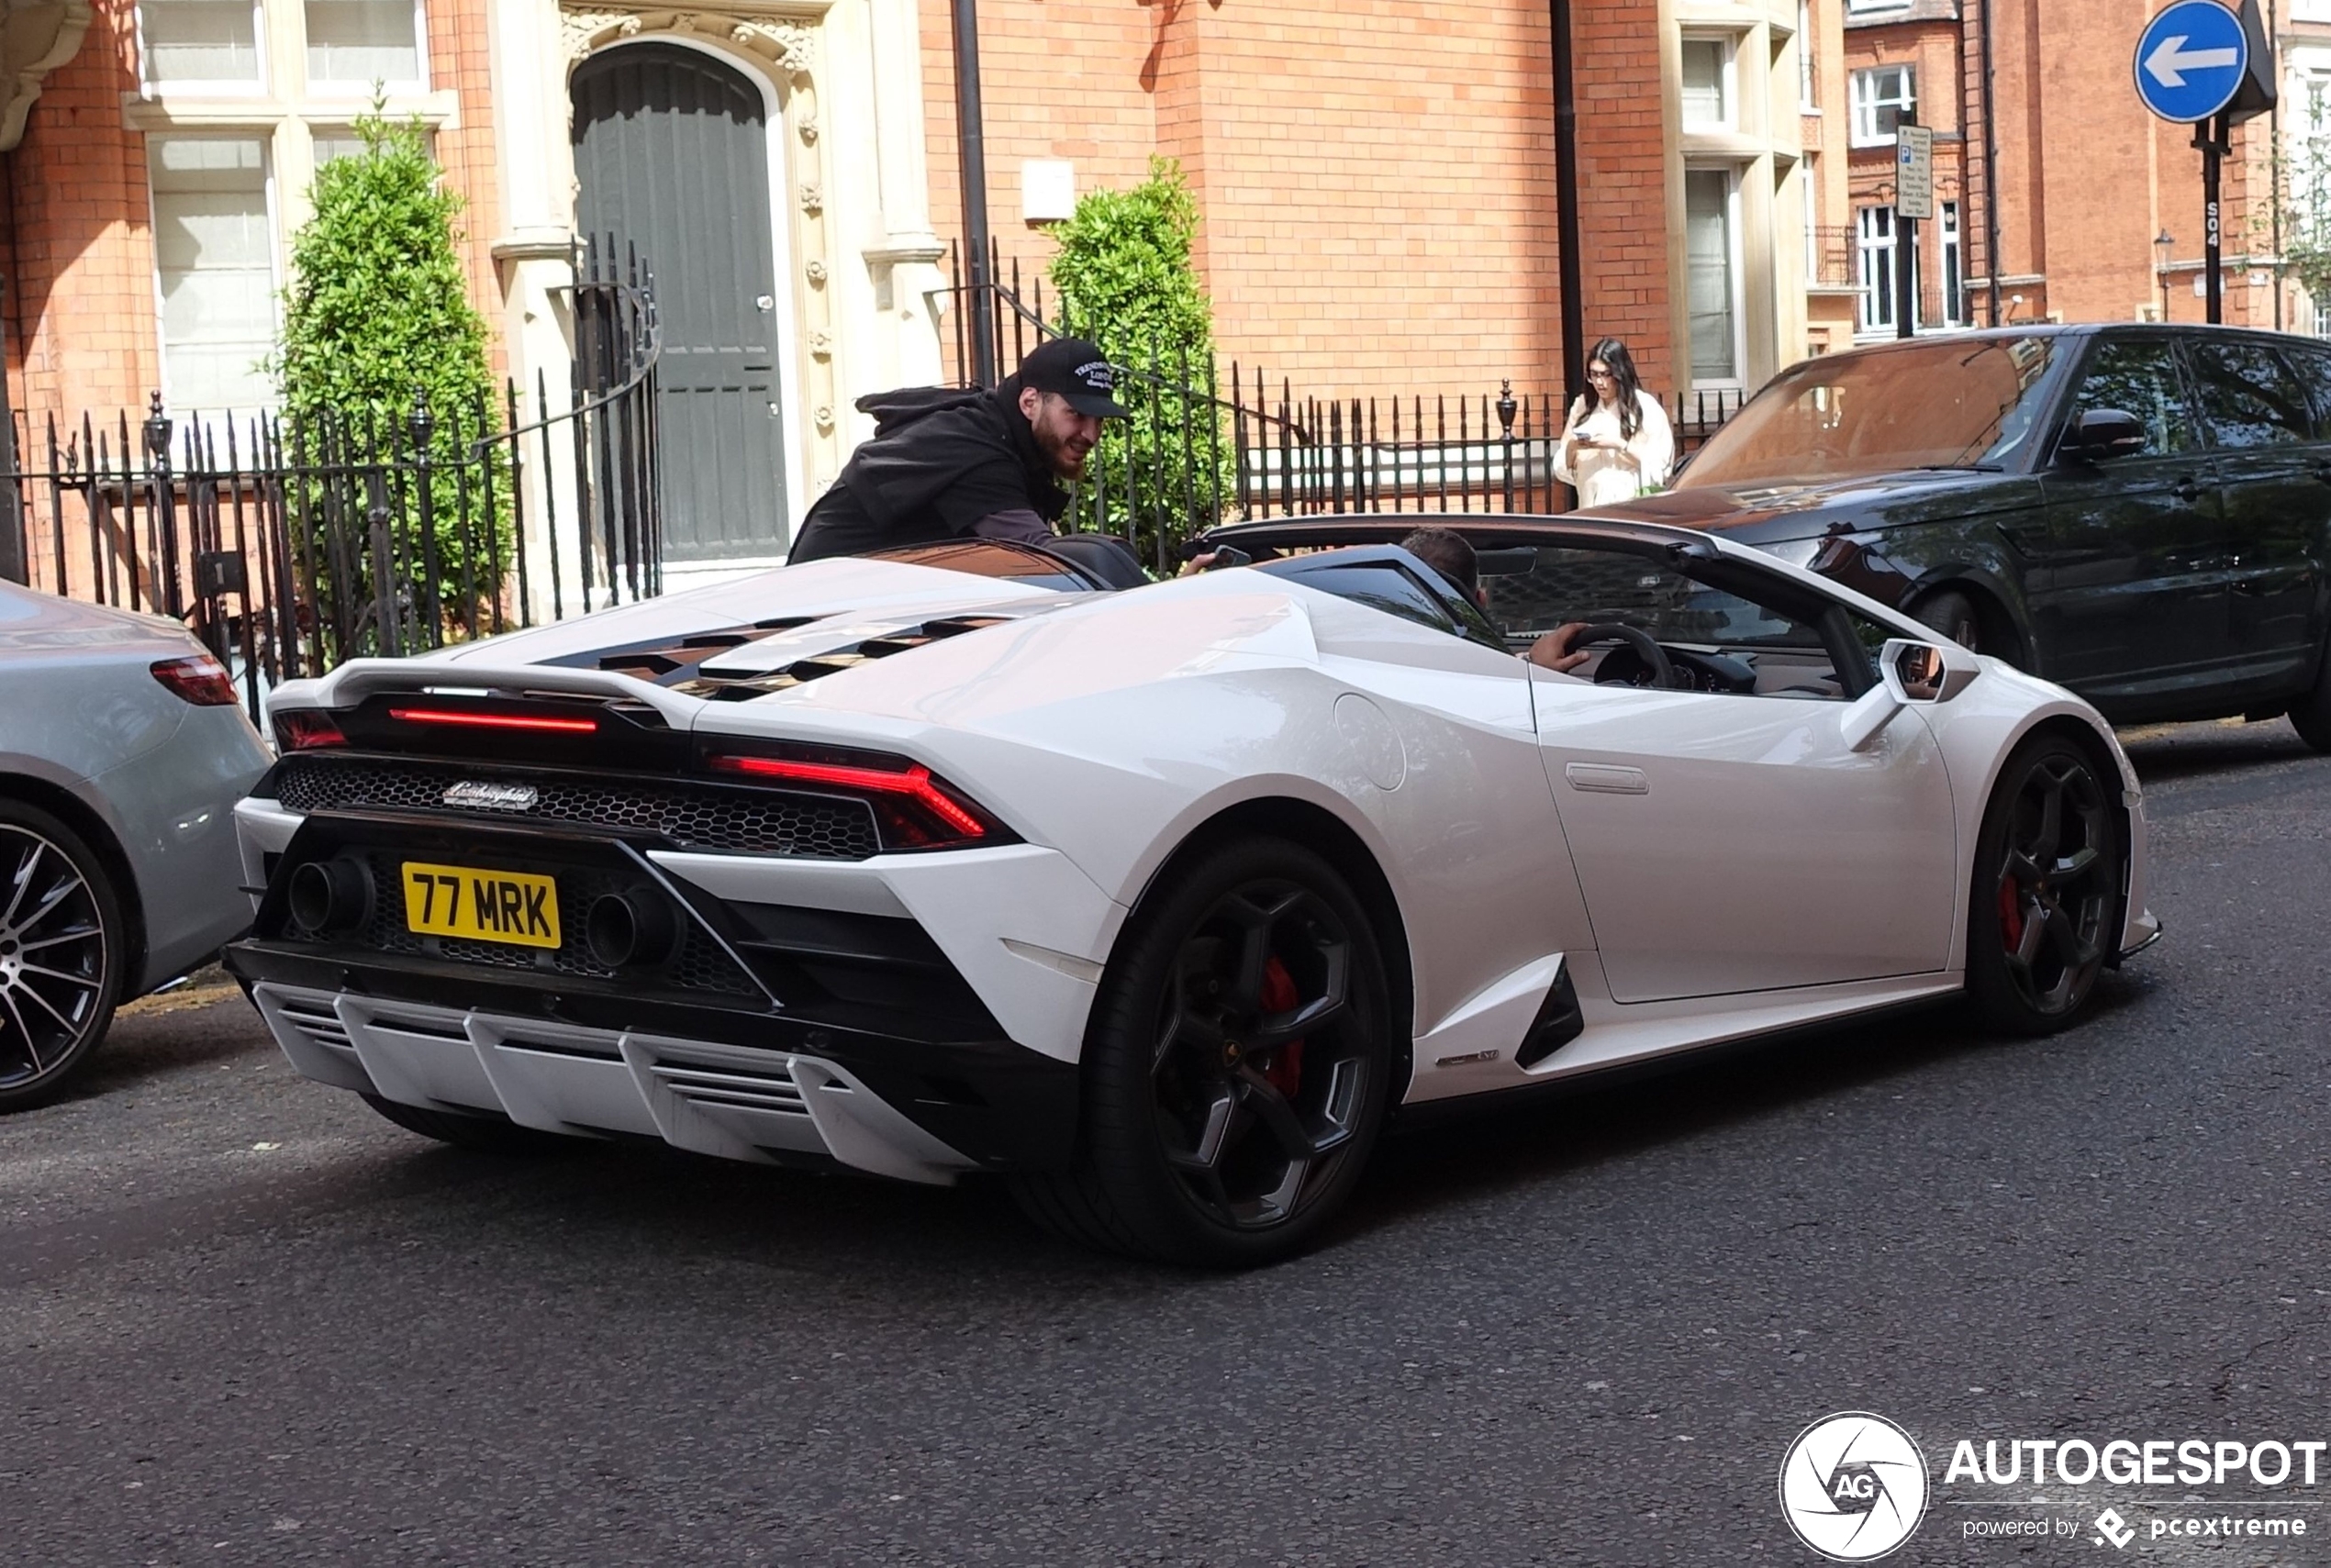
[906, 255]
[533, 253]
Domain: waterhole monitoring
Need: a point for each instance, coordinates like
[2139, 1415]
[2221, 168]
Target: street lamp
[2162, 245]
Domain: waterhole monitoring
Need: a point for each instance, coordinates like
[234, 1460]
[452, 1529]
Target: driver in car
[1451, 554]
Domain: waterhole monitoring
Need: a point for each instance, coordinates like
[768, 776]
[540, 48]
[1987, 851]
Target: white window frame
[1872, 7]
[1951, 232]
[1875, 257]
[318, 89]
[1866, 102]
[1808, 171]
[257, 86]
[1735, 267]
[265, 139]
[1808, 83]
[1727, 80]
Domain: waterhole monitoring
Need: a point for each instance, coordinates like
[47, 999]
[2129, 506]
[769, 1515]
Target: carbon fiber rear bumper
[715, 1082]
[861, 1016]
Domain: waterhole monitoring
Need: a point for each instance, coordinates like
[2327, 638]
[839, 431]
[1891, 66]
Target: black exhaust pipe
[632, 929]
[327, 898]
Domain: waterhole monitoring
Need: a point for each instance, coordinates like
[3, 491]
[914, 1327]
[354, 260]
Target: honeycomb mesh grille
[692, 817]
[699, 966]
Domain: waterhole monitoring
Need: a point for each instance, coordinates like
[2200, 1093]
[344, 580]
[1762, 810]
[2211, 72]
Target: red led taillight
[307, 729]
[534, 723]
[198, 679]
[914, 807]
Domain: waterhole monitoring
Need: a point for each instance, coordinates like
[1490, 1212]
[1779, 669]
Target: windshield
[1635, 588]
[1969, 402]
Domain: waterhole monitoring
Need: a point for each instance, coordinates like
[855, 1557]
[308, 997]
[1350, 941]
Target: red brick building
[2098, 213]
[1376, 179]
[158, 171]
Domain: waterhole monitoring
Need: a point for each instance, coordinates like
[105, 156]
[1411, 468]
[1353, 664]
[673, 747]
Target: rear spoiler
[360, 678]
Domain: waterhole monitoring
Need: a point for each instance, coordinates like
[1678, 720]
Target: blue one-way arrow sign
[2190, 60]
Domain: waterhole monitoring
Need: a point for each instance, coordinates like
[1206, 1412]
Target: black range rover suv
[2141, 513]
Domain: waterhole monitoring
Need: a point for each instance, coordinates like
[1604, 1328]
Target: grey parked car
[122, 754]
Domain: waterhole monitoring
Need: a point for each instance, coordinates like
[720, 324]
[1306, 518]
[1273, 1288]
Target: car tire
[2045, 907]
[2311, 715]
[63, 954]
[485, 1134]
[1198, 1147]
[1953, 614]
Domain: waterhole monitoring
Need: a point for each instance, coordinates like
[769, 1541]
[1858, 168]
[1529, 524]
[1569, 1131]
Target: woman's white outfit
[1606, 474]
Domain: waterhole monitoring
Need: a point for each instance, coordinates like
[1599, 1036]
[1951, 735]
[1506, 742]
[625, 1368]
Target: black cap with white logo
[1077, 370]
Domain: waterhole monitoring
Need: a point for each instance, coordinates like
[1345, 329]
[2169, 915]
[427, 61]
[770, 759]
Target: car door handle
[1603, 778]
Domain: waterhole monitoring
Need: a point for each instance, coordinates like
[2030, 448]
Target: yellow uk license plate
[486, 905]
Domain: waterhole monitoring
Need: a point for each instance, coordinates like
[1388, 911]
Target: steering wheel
[1655, 658]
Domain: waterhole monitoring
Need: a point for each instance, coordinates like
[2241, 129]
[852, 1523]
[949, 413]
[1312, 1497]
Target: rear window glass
[991, 558]
[2250, 396]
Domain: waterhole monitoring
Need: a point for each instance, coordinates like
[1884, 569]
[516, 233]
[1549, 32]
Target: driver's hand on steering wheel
[1553, 650]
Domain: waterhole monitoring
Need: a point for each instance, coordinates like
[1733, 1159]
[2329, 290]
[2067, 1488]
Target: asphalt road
[247, 1322]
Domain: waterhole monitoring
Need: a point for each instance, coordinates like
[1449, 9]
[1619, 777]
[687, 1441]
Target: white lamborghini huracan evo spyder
[1160, 901]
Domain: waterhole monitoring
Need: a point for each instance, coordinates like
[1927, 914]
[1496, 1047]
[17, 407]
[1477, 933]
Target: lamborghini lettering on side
[1161, 902]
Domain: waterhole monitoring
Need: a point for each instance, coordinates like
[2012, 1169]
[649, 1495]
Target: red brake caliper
[1285, 1072]
[2010, 915]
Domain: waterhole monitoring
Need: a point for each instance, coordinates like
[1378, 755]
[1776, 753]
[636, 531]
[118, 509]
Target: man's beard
[1065, 460]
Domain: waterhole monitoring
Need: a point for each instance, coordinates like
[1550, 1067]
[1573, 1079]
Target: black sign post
[2212, 137]
[1913, 201]
[971, 143]
[2209, 65]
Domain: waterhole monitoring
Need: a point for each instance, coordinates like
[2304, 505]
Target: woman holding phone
[1616, 443]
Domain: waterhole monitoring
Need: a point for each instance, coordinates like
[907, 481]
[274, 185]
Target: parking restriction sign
[1914, 170]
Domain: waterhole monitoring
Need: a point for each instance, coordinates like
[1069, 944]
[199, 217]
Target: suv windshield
[1966, 403]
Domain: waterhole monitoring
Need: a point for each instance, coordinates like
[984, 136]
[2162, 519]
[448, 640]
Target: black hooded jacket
[940, 463]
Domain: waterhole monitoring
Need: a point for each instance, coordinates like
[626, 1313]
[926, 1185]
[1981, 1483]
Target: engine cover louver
[719, 688]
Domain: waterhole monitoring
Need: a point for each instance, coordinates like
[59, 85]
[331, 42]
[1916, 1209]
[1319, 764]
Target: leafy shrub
[378, 322]
[1125, 281]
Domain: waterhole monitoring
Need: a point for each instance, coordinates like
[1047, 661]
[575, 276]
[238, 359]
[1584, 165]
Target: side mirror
[2101, 434]
[1926, 671]
[1908, 672]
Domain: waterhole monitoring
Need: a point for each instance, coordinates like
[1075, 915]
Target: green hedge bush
[377, 320]
[1125, 280]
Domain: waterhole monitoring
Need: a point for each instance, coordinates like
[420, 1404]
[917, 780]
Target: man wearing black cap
[943, 465]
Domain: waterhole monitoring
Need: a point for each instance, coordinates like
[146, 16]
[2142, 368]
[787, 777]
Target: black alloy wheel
[1236, 1070]
[60, 954]
[2047, 894]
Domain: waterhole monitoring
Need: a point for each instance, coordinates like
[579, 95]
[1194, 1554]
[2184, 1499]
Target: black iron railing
[290, 544]
[1248, 450]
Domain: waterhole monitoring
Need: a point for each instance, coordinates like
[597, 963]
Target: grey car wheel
[60, 954]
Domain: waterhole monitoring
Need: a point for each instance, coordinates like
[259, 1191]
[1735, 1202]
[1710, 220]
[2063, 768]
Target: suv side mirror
[1909, 673]
[2101, 434]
